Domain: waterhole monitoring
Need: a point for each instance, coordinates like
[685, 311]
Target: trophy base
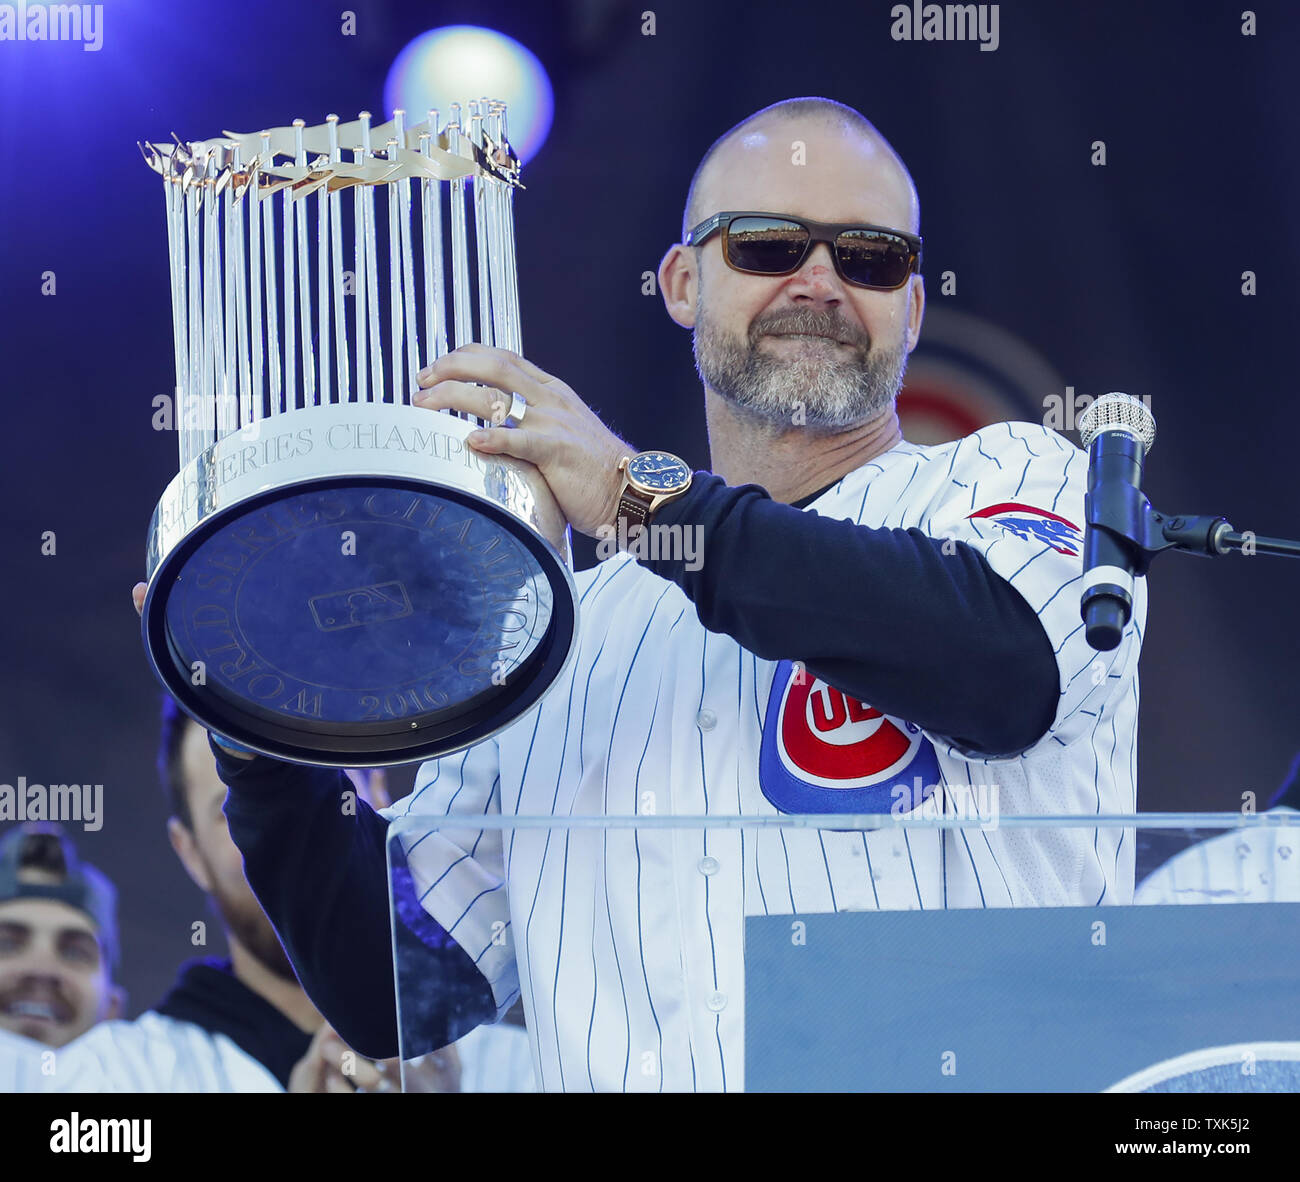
[357, 620]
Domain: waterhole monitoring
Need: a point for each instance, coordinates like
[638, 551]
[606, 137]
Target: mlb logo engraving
[824, 751]
[1033, 524]
[360, 605]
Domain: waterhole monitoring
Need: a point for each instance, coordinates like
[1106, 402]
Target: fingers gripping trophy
[334, 576]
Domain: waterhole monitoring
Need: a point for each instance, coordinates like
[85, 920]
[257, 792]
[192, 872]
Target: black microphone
[1118, 431]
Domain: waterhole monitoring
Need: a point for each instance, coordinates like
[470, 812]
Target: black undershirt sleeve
[885, 615]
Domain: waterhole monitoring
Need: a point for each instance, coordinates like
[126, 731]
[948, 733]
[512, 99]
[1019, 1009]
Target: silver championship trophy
[334, 576]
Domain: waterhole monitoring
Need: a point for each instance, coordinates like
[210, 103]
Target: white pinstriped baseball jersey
[627, 945]
[20, 1063]
[1237, 866]
[157, 1053]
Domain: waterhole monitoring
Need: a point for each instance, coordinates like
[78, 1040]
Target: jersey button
[708, 865]
[717, 1002]
[706, 720]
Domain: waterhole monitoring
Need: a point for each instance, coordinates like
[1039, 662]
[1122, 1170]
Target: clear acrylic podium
[850, 953]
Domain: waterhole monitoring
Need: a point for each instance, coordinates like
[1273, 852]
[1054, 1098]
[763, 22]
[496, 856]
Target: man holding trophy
[874, 626]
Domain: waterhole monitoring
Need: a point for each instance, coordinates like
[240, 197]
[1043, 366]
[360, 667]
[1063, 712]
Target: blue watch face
[659, 471]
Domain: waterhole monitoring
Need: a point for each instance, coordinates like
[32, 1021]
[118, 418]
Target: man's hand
[324, 1069]
[438, 1071]
[330, 1066]
[575, 452]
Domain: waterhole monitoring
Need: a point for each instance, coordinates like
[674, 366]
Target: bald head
[751, 160]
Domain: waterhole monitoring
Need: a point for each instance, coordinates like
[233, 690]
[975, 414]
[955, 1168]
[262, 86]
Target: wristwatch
[650, 478]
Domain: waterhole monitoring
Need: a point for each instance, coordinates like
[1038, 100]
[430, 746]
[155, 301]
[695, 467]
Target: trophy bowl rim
[343, 745]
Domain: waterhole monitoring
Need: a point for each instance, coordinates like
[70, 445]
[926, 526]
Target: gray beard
[822, 388]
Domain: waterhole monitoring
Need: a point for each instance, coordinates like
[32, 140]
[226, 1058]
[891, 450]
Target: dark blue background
[1124, 277]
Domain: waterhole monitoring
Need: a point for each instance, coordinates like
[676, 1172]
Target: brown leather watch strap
[632, 509]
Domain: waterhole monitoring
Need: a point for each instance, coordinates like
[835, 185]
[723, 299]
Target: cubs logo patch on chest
[826, 752]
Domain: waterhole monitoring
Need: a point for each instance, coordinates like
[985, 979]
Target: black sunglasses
[775, 244]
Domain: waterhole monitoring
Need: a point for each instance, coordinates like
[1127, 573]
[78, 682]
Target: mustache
[812, 323]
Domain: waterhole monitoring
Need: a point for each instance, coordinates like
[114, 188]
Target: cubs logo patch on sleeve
[1033, 524]
[826, 752]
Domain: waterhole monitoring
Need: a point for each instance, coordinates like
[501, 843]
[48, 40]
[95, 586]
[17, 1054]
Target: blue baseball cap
[45, 846]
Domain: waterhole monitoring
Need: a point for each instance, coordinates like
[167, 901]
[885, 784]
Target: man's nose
[43, 982]
[39, 959]
[817, 280]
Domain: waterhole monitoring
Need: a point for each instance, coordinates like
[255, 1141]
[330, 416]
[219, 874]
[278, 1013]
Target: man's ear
[187, 851]
[679, 284]
[915, 312]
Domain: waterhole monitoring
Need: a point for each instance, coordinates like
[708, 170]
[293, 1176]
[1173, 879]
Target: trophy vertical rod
[408, 272]
[323, 287]
[176, 259]
[214, 377]
[336, 242]
[434, 277]
[481, 234]
[359, 278]
[496, 228]
[372, 274]
[439, 270]
[175, 275]
[230, 374]
[492, 233]
[426, 250]
[272, 296]
[462, 330]
[211, 362]
[304, 269]
[461, 327]
[236, 246]
[512, 274]
[290, 288]
[255, 286]
[196, 423]
[408, 294]
[514, 333]
[394, 280]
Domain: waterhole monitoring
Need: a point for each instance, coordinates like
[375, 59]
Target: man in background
[1256, 865]
[58, 938]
